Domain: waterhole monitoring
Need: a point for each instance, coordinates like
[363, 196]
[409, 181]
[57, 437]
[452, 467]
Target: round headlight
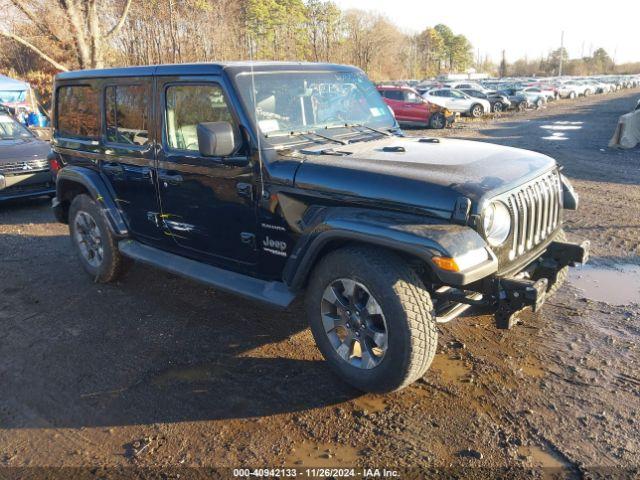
[496, 223]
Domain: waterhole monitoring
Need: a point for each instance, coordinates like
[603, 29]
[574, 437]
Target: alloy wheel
[88, 239]
[354, 323]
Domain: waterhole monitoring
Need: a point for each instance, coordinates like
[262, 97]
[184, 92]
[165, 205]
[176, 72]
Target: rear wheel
[572, 95]
[93, 241]
[372, 318]
[522, 106]
[477, 110]
[437, 121]
[498, 107]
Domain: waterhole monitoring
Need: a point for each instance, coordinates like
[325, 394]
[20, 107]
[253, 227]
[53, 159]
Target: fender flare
[97, 189]
[418, 236]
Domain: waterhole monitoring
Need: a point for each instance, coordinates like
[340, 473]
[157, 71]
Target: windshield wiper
[360, 125]
[308, 133]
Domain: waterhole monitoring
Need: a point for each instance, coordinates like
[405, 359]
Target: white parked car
[568, 90]
[598, 86]
[547, 94]
[457, 101]
[579, 87]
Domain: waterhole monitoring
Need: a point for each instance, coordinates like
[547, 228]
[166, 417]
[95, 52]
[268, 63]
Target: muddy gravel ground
[156, 376]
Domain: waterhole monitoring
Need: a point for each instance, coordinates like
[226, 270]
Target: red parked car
[411, 109]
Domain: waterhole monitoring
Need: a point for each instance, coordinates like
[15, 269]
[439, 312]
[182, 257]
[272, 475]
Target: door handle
[170, 177]
[112, 167]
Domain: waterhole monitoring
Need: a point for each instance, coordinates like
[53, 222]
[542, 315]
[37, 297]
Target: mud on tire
[406, 307]
[110, 264]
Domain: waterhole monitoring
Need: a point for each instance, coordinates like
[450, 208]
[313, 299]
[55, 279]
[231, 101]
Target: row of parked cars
[436, 104]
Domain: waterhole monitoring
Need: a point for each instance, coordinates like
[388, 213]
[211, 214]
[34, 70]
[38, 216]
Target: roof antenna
[252, 46]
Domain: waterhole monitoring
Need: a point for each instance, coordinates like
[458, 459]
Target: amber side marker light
[446, 263]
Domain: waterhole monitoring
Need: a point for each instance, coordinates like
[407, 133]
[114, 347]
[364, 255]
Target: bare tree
[84, 24]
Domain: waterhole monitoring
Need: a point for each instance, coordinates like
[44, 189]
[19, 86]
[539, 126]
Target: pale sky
[531, 28]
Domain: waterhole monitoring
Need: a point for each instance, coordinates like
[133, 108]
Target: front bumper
[28, 185]
[506, 296]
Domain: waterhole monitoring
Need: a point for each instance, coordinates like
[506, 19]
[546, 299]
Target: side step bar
[458, 309]
[276, 294]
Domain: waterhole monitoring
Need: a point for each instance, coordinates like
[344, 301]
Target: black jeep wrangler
[269, 179]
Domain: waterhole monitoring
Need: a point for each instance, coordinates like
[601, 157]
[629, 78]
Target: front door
[207, 203]
[415, 107]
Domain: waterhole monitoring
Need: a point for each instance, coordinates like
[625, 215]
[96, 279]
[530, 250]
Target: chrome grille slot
[23, 167]
[535, 209]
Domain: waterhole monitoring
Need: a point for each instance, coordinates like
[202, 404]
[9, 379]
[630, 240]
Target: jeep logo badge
[277, 247]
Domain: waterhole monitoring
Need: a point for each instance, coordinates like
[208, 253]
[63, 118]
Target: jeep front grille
[23, 167]
[535, 209]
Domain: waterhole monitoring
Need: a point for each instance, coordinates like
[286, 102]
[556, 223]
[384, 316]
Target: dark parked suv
[24, 168]
[271, 179]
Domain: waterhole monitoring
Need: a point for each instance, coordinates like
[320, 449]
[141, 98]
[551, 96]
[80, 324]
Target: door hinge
[248, 239]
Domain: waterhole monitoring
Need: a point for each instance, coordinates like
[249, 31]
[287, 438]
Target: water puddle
[322, 455]
[371, 403]
[450, 369]
[617, 285]
[542, 458]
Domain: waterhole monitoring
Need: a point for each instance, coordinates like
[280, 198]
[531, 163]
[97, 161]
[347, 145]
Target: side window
[127, 116]
[189, 105]
[78, 112]
[395, 95]
[411, 97]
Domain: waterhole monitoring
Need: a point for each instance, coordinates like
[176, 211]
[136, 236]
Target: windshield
[10, 129]
[303, 101]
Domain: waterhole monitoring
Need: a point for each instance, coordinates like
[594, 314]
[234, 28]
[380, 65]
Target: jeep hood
[424, 173]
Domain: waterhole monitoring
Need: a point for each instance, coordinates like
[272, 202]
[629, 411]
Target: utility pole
[561, 53]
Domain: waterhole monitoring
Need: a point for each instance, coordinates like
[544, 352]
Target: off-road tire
[405, 303]
[552, 288]
[113, 264]
[476, 110]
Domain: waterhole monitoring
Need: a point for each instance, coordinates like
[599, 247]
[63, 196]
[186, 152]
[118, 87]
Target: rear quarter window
[78, 112]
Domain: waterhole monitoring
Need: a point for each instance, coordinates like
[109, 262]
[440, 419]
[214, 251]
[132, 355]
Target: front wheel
[572, 95]
[498, 107]
[372, 318]
[477, 110]
[93, 242]
[437, 121]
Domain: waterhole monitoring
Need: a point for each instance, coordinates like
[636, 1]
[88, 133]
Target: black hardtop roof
[200, 69]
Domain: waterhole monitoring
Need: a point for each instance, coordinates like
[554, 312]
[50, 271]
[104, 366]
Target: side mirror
[216, 139]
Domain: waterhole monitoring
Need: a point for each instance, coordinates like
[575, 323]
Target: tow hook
[514, 295]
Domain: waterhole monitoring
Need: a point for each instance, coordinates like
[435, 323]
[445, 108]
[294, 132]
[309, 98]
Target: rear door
[129, 156]
[207, 203]
[395, 100]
